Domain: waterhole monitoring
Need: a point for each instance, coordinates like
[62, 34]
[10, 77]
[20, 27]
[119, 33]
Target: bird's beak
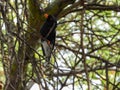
[46, 15]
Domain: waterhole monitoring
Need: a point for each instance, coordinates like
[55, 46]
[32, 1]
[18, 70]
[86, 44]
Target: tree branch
[57, 6]
[88, 7]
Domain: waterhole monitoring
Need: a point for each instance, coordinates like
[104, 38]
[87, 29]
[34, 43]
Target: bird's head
[46, 15]
[49, 17]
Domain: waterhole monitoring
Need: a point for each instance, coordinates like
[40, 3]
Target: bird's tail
[47, 50]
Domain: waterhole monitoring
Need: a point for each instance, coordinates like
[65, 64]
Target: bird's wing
[52, 28]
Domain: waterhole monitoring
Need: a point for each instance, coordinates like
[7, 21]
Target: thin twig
[82, 44]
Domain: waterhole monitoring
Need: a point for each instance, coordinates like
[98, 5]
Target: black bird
[48, 34]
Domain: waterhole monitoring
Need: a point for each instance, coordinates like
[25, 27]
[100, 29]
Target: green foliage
[73, 62]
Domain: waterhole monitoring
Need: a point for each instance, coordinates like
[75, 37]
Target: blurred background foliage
[93, 64]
